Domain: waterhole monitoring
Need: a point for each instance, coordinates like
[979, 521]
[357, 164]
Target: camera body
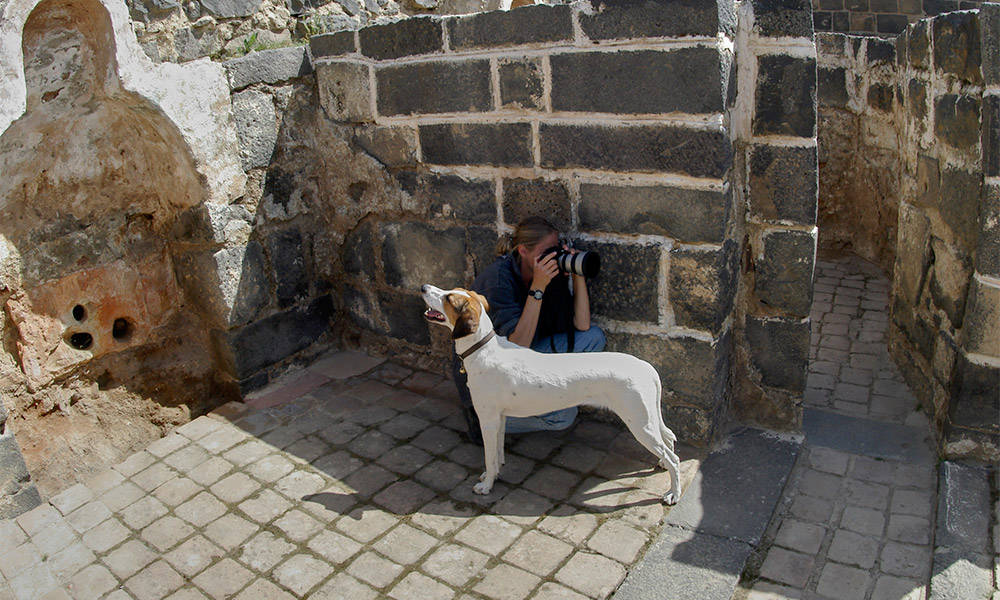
[587, 264]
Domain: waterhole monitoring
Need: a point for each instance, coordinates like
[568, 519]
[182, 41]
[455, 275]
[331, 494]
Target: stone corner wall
[778, 187]
[17, 493]
[945, 313]
[610, 123]
[884, 18]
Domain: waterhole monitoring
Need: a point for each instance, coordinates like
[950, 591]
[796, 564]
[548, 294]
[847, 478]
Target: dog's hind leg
[491, 426]
[649, 436]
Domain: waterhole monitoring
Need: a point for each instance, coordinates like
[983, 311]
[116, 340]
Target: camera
[581, 263]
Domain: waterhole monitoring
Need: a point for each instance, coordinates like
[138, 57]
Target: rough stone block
[783, 18]
[521, 83]
[482, 243]
[627, 287]
[332, 44]
[230, 285]
[523, 198]
[228, 9]
[988, 251]
[414, 254]
[345, 91]
[890, 23]
[949, 280]
[682, 214]
[956, 45]
[147, 10]
[691, 425]
[963, 516]
[359, 251]
[785, 270]
[434, 87]
[453, 197]
[645, 81]
[991, 136]
[784, 183]
[918, 46]
[288, 260]
[703, 285]
[822, 21]
[982, 320]
[622, 19]
[975, 403]
[268, 66]
[636, 148]
[403, 314]
[989, 18]
[880, 52]
[256, 127]
[12, 467]
[279, 336]
[917, 99]
[196, 42]
[958, 204]
[525, 25]
[407, 37]
[786, 96]
[695, 372]
[881, 97]
[393, 146]
[499, 144]
[831, 86]
[959, 574]
[956, 120]
[779, 350]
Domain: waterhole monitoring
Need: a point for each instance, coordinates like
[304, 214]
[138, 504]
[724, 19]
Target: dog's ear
[482, 300]
[465, 321]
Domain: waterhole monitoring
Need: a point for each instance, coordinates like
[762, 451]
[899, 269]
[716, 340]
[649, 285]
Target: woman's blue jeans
[591, 340]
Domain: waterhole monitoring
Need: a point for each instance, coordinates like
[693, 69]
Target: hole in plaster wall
[79, 313]
[121, 329]
[81, 341]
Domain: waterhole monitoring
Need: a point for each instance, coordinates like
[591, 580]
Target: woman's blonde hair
[529, 232]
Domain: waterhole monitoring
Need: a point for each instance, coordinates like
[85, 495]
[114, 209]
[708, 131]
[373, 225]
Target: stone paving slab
[357, 487]
[866, 437]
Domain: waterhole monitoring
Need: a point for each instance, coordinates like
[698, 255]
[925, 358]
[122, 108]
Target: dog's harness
[475, 347]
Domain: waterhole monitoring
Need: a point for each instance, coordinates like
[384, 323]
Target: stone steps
[720, 520]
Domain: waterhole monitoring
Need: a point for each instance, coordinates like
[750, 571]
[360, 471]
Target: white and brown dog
[507, 380]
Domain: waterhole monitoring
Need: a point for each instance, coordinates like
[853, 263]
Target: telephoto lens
[581, 263]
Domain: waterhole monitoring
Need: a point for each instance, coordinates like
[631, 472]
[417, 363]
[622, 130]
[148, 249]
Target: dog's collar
[477, 346]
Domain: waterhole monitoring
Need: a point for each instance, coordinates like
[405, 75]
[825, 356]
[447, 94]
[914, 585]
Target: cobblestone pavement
[852, 526]
[348, 480]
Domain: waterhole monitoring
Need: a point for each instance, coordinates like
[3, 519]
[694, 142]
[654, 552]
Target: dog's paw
[482, 488]
[670, 498]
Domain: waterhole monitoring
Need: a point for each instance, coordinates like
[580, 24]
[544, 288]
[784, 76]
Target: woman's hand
[544, 270]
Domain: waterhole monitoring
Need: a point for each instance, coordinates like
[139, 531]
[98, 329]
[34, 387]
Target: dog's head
[459, 310]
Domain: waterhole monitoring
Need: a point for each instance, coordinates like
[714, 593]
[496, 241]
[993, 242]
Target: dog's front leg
[491, 425]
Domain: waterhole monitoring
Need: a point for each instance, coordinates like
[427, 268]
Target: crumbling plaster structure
[274, 204]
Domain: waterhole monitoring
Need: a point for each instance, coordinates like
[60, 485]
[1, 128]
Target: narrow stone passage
[856, 519]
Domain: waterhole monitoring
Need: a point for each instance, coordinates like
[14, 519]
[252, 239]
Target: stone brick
[949, 280]
[278, 336]
[918, 44]
[521, 83]
[890, 23]
[619, 19]
[404, 317]
[959, 206]
[345, 91]
[956, 45]
[359, 251]
[631, 292]
[831, 86]
[988, 252]
[645, 81]
[499, 144]
[783, 183]
[880, 52]
[288, 261]
[682, 214]
[990, 135]
[956, 120]
[989, 17]
[822, 21]
[268, 66]
[786, 96]
[975, 402]
[881, 97]
[529, 24]
[537, 197]
[779, 349]
[636, 148]
[703, 285]
[332, 44]
[256, 127]
[784, 272]
[406, 37]
[917, 99]
[783, 18]
[695, 371]
[434, 87]
[393, 146]
[225, 9]
[415, 254]
[451, 196]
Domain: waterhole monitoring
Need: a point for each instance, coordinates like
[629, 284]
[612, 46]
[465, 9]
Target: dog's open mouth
[432, 315]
